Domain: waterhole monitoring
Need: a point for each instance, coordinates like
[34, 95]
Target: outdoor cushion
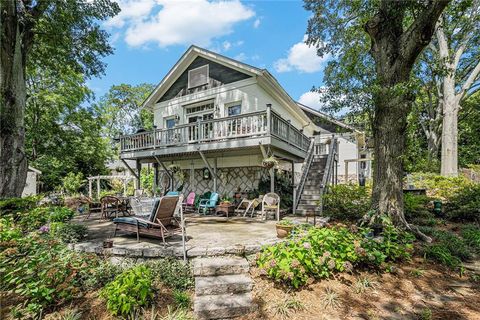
[130, 220]
[154, 210]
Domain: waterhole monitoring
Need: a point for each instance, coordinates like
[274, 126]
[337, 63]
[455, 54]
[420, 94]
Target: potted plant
[284, 227]
[174, 168]
[226, 200]
[269, 162]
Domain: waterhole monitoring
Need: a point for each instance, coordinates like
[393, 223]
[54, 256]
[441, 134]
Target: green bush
[416, 207]
[439, 187]
[471, 234]
[321, 252]
[40, 216]
[11, 207]
[72, 182]
[172, 272]
[42, 271]
[464, 205]
[130, 290]
[441, 254]
[8, 230]
[347, 202]
[182, 299]
[68, 232]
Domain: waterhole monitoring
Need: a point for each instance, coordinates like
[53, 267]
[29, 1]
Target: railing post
[154, 137]
[269, 118]
[288, 131]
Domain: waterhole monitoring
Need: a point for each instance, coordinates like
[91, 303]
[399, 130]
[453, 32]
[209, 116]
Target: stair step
[310, 197]
[217, 266]
[223, 306]
[307, 191]
[231, 283]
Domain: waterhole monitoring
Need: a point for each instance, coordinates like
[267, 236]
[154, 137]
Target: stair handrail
[303, 178]
[332, 154]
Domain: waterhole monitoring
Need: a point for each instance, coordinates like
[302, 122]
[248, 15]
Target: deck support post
[215, 185]
[170, 175]
[294, 194]
[139, 172]
[155, 177]
[212, 172]
[271, 170]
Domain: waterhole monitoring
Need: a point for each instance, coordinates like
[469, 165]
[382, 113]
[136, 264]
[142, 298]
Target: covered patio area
[206, 236]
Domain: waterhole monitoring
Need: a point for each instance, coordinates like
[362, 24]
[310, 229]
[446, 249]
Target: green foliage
[8, 230]
[42, 271]
[321, 252]
[182, 299]
[442, 255]
[172, 272]
[347, 202]
[72, 182]
[40, 216]
[437, 186]
[416, 208]
[468, 129]
[68, 232]
[283, 186]
[464, 205]
[130, 291]
[13, 206]
[471, 235]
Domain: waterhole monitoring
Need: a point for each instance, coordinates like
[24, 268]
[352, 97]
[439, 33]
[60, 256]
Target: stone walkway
[206, 236]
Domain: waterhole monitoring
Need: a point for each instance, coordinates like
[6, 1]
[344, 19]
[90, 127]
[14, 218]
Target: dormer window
[198, 77]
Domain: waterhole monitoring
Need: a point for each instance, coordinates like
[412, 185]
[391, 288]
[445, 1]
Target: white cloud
[256, 23]
[301, 57]
[311, 99]
[241, 56]
[226, 45]
[169, 22]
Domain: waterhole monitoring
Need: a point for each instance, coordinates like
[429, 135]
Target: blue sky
[149, 37]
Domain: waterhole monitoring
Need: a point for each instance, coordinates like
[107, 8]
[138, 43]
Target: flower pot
[108, 243]
[283, 231]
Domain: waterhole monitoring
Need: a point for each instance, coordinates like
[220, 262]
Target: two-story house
[216, 119]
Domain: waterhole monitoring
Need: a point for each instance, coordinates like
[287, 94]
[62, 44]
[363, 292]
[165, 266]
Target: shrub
[40, 216]
[172, 272]
[320, 252]
[441, 254]
[416, 207]
[437, 186]
[464, 205]
[131, 290]
[347, 202]
[8, 230]
[68, 232]
[72, 182]
[42, 270]
[11, 207]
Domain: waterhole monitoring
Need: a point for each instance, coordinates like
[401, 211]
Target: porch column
[139, 172]
[90, 188]
[294, 191]
[346, 171]
[215, 186]
[98, 188]
[125, 181]
[272, 180]
[155, 177]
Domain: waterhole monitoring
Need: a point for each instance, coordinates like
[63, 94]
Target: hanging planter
[174, 168]
[269, 162]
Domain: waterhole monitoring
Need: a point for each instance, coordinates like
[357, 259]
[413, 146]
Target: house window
[234, 110]
[200, 108]
[170, 123]
[198, 76]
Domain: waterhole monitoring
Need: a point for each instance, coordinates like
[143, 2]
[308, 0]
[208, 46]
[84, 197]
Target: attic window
[198, 76]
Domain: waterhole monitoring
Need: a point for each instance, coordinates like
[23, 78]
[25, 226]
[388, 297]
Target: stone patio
[206, 236]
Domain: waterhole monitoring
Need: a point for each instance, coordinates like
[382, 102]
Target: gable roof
[264, 79]
[328, 118]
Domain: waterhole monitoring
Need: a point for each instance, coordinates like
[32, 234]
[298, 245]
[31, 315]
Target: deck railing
[239, 126]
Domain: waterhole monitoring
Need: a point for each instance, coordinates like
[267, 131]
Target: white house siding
[251, 95]
[346, 150]
[30, 185]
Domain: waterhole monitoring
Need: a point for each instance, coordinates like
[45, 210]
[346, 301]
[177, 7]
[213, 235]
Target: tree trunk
[13, 163]
[449, 165]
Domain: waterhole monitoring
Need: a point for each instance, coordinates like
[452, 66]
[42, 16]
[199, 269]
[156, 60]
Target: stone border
[177, 252]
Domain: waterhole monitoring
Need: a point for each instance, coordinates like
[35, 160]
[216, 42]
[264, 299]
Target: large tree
[398, 32]
[44, 33]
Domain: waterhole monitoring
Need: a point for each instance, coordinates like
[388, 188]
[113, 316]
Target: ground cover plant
[347, 202]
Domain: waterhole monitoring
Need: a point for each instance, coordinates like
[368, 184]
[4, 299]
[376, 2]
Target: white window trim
[196, 104]
[232, 104]
[208, 76]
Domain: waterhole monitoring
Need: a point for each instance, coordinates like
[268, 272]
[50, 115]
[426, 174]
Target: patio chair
[138, 193]
[207, 205]
[173, 193]
[271, 202]
[247, 205]
[160, 224]
[189, 203]
[110, 206]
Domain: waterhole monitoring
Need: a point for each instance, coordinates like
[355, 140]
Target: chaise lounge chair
[160, 224]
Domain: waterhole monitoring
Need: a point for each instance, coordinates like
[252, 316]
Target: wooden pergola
[124, 178]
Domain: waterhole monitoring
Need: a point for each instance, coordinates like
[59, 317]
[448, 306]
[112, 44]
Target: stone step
[231, 283]
[223, 306]
[217, 266]
[314, 197]
[307, 201]
[307, 191]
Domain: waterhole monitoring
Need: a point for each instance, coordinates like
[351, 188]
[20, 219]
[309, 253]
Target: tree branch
[470, 80]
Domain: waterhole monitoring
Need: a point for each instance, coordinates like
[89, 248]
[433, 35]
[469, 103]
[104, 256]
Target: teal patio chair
[173, 193]
[207, 205]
